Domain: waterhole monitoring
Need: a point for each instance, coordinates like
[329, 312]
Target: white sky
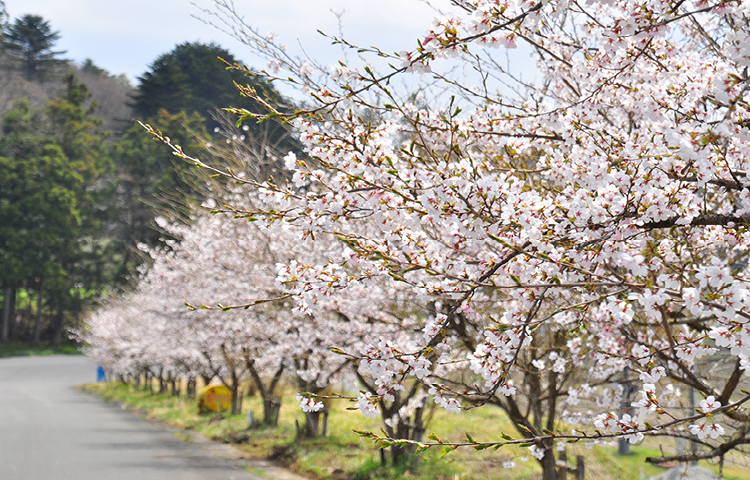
[125, 36]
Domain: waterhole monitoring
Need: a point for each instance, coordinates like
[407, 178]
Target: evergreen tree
[30, 39]
[90, 265]
[90, 67]
[192, 78]
[154, 183]
[39, 213]
[3, 18]
[54, 207]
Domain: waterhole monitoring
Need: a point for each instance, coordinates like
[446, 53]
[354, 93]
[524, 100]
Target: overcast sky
[125, 36]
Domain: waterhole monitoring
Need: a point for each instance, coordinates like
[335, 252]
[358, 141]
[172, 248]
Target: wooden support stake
[562, 471]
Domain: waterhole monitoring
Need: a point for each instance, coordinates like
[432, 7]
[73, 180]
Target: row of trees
[149, 331]
[547, 238]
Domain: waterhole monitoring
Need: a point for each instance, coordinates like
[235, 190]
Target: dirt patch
[236, 438]
[282, 455]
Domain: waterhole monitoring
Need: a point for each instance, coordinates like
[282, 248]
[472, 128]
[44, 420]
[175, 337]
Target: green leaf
[447, 450]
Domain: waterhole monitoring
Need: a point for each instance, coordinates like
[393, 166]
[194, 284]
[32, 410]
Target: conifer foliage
[30, 40]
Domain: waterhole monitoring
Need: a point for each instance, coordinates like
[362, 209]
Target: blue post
[100, 374]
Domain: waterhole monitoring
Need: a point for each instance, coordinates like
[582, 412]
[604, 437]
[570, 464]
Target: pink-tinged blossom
[537, 451]
[709, 404]
[308, 404]
[368, 405]
[707, 429]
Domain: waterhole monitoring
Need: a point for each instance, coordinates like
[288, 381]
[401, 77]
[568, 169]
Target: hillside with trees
[82, 184]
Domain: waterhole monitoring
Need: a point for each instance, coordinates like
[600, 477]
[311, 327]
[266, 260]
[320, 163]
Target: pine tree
[30, 40]
[192, 78]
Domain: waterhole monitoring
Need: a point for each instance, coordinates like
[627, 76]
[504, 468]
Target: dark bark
[271, 409]
[412, 430]
[271, 403]
[235, 389]
[732, 383]
[529, 429]
[232, 383]
[173, 384]
[312, 419]
[549, 470]
[699, 221]
[312, 424]
[405, 429]
[9, 294]
[548, 462]
[162, 382]
[57, 334]
[12, 318]
[562, 472]
[190, 387]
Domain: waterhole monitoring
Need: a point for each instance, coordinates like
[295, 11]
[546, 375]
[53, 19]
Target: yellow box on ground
[216, 398]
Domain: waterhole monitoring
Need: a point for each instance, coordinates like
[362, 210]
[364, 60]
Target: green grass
[343, 454]
[255, 471]
[19, 349]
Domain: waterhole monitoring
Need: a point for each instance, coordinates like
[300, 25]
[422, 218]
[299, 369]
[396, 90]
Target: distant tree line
[82, 184]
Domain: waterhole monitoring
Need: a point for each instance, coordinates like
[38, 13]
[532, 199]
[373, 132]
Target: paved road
[50, 430]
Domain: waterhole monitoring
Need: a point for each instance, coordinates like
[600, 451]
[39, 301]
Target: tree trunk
[271, 403]
[312, 424]
[549, 469]
[9, 294]
[190, 387]
[162, 382]
[400, 456]
[38, 322]
[562, 472]
[271, 408]
[57, 335]
[417, 434]
[12, 318]
[236, 403]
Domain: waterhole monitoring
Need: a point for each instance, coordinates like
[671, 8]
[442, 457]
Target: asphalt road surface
[50, 430]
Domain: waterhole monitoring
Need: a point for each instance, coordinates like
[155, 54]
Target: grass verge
[19, 349]
[343, 455]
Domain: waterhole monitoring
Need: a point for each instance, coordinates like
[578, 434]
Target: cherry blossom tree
[216, 264]
[603, 206]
